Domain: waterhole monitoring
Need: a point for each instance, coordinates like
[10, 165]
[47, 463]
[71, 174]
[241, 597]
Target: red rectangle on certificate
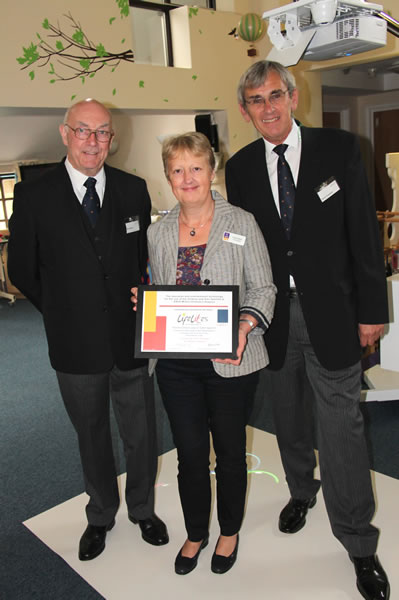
[155, 340]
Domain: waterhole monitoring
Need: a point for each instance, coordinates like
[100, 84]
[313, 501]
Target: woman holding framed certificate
[205, 241]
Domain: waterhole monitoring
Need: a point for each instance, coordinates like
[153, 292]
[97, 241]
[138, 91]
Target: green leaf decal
[85, 63]
[32, 75]
[59, 45]
[114, 91]
[78, 37]
[46, 24]
[112, 19]
[141, 83]
[100, 50]
[73, 97]
[123, 7]
[194, 77]
[30, 55]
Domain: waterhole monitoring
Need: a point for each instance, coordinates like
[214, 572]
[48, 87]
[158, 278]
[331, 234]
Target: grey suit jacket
[225, 263]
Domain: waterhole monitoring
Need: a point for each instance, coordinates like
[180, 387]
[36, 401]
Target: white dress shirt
[78, 179]
[292, 156]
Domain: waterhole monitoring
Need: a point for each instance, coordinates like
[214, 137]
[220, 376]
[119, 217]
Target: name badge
[132, 224]
[327, 189]
[234, 238]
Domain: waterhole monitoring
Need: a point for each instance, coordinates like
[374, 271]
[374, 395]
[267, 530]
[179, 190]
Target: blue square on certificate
[223, 315]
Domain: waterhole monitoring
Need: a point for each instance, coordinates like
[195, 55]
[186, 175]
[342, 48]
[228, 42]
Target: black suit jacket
[80, 278]
[334, 253]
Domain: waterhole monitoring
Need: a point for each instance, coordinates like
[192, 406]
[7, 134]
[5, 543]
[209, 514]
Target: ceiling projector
[324, 29]
[347, 36]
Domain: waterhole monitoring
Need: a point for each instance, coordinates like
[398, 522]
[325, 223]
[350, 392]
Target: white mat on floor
[310, 565]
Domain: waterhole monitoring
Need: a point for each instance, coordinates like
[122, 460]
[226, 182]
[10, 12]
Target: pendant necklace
[193, 229]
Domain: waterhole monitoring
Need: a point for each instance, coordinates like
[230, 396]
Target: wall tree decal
[71, 55]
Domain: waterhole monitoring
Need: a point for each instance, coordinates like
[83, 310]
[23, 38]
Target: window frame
[5, 175]
[165, 8]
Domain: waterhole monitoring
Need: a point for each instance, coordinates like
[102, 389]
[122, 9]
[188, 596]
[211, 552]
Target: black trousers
[87, 401]
[198, 401]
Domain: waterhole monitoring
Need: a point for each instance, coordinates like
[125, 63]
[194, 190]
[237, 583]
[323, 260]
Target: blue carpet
[39, 459]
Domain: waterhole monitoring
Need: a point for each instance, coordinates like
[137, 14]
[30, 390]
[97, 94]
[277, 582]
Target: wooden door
[332, 120]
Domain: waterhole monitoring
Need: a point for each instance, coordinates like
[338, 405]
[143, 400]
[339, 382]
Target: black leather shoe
[221, 564]
[372, 581]
[293, 516]
[153, 530]
[92, 542]
[184, 564]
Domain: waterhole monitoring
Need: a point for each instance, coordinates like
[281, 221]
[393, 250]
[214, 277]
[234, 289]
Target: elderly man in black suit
[77, 246]
[308, 191]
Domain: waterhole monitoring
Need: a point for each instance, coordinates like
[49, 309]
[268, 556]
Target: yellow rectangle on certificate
[150, 311]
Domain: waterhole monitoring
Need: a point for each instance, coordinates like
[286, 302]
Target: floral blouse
[189, 263]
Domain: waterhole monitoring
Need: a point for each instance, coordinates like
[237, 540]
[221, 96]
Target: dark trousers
[87, 401]
[343, 457]
[199, 401]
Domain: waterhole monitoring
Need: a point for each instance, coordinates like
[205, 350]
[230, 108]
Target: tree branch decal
[72, 55]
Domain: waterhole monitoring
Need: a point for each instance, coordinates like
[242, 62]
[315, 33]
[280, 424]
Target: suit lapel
[306, 178]
[222, 221]
[266, 211]
[170, 245]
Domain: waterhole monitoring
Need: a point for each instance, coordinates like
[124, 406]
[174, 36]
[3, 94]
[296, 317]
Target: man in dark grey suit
[308, 191]
[77, 246]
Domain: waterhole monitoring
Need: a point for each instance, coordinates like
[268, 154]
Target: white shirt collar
[78, 179]
[292, 139]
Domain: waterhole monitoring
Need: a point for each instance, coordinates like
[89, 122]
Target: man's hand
[368, 334]
[133, 297]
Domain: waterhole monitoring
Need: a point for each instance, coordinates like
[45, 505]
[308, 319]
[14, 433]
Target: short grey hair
[257, 74]
[192, 141]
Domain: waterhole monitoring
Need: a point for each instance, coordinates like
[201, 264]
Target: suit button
[206, 282]
[105, 309]
[290, 253]
[97, 239]
[106, 277]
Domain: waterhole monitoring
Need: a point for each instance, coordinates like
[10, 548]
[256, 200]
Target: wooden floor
[310, 565]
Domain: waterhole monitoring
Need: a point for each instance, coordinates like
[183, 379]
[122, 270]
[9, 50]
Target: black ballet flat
[221, 564]
[184, 564]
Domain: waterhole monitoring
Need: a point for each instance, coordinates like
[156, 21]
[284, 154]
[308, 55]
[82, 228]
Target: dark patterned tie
[91, 201]
[286, 189]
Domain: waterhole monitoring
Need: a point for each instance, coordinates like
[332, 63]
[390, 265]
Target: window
[7, 182]
[151, 29]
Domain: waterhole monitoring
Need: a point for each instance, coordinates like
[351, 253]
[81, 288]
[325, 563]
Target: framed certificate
[184, 321]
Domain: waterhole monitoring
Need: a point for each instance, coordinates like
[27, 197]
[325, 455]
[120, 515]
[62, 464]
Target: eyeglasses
[274, 98]
[83, 133]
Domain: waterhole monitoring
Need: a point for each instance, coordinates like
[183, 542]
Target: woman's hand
[243, 331]
[134, 297]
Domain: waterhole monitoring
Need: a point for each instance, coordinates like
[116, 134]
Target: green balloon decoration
[250, 27]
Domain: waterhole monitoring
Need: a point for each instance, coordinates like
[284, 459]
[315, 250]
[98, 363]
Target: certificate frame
[210, 325]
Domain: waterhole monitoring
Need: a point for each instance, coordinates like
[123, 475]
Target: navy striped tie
[286, 189]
